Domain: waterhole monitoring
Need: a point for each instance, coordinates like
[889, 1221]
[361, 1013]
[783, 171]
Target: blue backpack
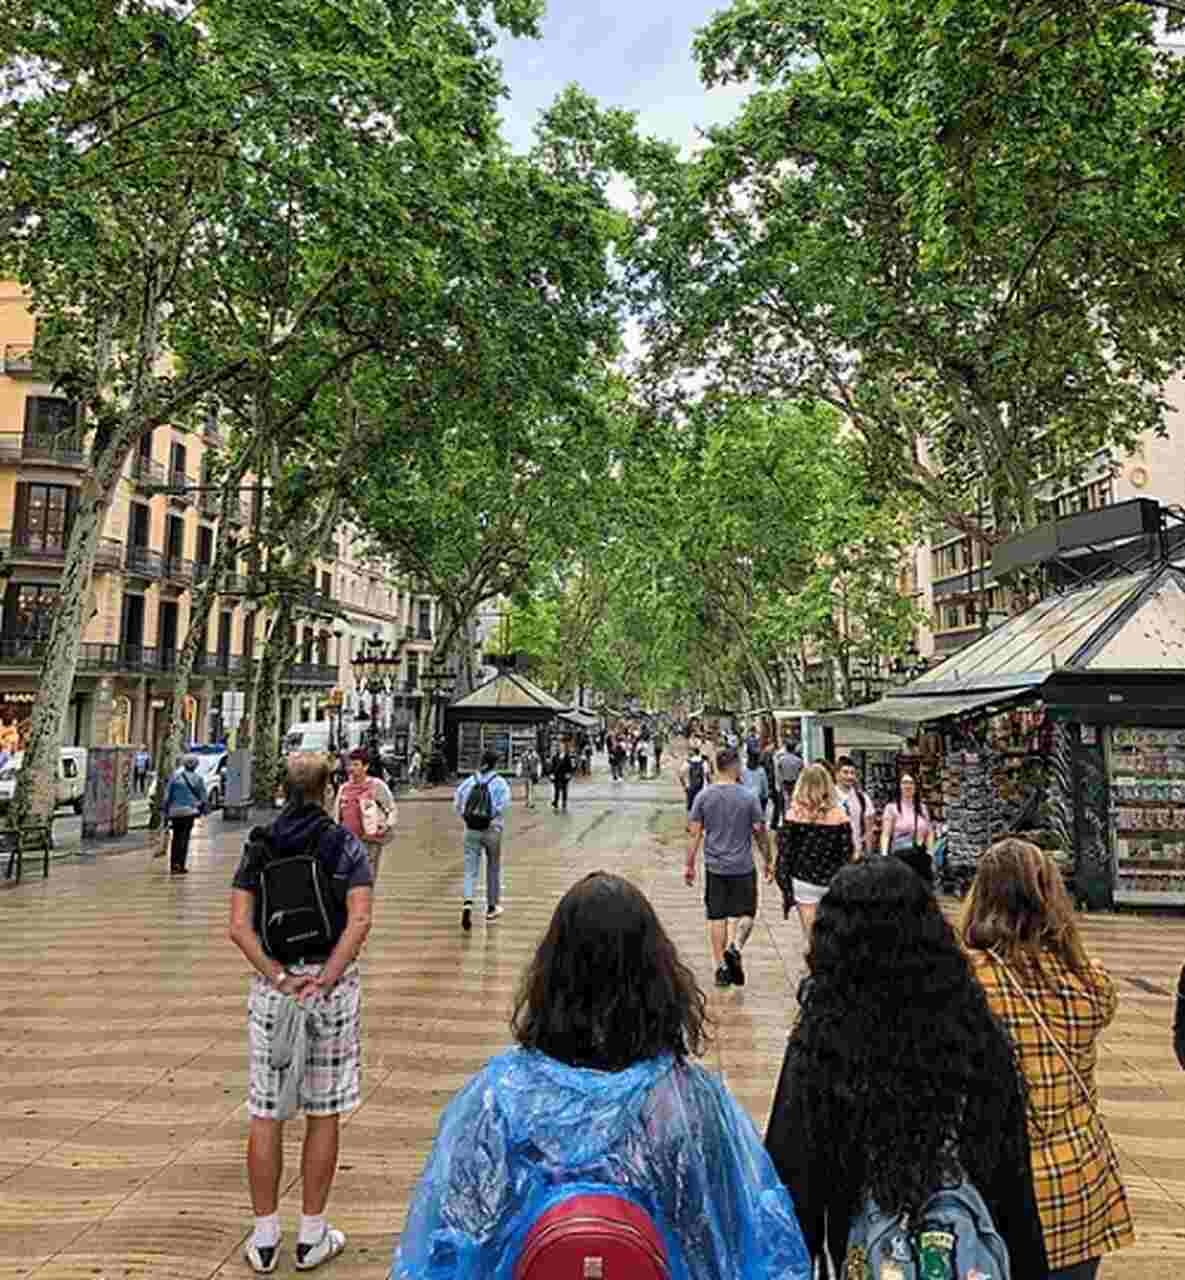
[951, 1238]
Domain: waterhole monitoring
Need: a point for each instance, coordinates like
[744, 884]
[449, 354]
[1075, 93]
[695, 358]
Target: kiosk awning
[904, 716]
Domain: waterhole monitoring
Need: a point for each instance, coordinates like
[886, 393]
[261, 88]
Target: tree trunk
[277, 654]
[172, 744]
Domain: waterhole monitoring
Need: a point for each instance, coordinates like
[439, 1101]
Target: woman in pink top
[358, 789]
[906, 830]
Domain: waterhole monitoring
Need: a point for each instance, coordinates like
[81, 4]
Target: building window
[425, 627]
[51, 417]
[28, 611]
[413, 671]
[43, 516]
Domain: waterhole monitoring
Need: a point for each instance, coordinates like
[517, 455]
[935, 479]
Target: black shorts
[730, 897]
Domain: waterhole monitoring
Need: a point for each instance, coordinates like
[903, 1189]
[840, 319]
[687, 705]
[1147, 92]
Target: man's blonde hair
[307, 776]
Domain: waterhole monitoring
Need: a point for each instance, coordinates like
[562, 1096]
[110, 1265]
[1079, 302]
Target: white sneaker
[262, 1260]
[493, 913]
[329, 1246]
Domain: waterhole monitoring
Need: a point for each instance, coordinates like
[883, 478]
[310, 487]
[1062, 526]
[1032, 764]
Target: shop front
[1066, 725]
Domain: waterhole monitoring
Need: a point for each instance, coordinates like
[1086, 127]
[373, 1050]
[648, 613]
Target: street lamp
[440, 683]
[376, 670]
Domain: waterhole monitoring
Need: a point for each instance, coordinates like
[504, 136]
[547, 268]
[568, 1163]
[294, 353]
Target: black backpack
[695, 775]
[479, 807]
[298, 915]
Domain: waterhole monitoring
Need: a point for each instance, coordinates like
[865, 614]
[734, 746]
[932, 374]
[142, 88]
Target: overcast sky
[626, 53]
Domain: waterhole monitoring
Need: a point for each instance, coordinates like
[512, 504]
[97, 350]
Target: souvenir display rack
[1146, 777]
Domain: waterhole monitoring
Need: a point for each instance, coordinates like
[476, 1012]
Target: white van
[308, 735]
[70, 782]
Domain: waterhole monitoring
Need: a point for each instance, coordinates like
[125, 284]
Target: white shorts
[807, 894]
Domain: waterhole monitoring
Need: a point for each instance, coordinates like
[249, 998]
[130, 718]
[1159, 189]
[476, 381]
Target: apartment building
[952, 578]
[155, 548]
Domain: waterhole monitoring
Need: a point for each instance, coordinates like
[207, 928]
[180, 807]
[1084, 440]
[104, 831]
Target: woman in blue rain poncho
[599, 1094]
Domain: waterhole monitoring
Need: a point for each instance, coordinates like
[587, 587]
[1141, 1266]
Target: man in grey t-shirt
[724, 818]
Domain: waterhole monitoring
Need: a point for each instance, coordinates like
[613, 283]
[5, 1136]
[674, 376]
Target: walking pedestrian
[140, 763]
[531, 768]
[185, 801]
[1026, 949]
[725, 817]
[415, 768]
[304, 1010]
[788, 764]
[906, 831]
[856, 803]
[366, 808]
[482, 800]
[642, 757]
[601, 1096]
[753, 779]
[695, 772]
[816, 844]
[897, 1082]
[660, 743]
[617, 756]
[563, 766]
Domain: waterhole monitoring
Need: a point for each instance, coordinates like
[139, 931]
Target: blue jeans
[489, 842]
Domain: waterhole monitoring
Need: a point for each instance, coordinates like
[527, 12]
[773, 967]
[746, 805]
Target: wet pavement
[123, 1060]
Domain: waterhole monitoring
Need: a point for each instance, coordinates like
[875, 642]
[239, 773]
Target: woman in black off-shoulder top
[814, 843]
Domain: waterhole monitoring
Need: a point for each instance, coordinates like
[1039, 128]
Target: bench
[16, 842]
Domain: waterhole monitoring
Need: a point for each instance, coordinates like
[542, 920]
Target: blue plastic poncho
[669, 1136]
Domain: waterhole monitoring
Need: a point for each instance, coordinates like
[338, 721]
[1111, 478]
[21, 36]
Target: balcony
[18, 359]
[64, 449]
[144, 562]
[322, 674]
[22, 651]
[228, 666]
[24, 547]
[147, 475]
[109, 555]
[133, 658]
[177, 571]
[180, 489]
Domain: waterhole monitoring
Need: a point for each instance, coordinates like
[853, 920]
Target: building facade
[952, 578]
[155, 547]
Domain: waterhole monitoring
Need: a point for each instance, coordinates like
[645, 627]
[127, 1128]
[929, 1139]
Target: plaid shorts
[332, 1079]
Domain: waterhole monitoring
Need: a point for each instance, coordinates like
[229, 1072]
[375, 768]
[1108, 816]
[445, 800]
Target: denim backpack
[951, 1238]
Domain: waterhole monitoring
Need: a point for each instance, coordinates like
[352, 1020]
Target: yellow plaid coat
[1080, 1196]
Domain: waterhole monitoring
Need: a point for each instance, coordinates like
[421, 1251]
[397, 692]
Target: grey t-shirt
[728, 812]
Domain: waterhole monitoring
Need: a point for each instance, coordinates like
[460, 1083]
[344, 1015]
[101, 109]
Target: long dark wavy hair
[606, 987]
[908, 1077]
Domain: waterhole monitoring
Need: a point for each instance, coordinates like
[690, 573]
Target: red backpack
[593, 1236]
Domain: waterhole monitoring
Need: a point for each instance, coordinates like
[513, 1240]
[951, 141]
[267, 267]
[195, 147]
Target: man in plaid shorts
[322, 1032]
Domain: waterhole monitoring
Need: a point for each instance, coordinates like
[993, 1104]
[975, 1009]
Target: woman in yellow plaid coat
[1025, 948]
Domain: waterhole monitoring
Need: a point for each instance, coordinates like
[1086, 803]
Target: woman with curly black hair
[897, 1080]
[600, 1094]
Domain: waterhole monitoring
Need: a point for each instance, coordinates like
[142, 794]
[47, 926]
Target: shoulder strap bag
[1057, 1044]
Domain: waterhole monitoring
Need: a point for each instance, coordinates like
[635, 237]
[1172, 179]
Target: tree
[961, 225]
[164, 164]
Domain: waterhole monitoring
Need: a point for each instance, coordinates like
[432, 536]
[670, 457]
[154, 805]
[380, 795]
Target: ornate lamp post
[376, 670]
[440, 683]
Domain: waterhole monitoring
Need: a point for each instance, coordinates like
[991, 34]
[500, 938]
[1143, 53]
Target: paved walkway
[123, 1069]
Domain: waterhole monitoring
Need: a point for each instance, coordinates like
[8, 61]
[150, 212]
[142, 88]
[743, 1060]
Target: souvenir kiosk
[507, 714]
[1067, 722]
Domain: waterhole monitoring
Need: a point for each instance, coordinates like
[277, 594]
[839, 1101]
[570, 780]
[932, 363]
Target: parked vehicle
[69, 781]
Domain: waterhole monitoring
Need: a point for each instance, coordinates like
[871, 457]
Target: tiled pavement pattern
[123, 1058]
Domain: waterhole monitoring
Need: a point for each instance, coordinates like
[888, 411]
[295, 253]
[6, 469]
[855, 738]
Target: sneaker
[262, 1259]
[467, 917]
[329, 1246]
[723, 976]
[493, 913]
[732, 958]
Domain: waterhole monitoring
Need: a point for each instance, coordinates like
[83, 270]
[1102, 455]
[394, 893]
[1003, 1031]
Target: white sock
[312, 1228]
[267, 1231]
